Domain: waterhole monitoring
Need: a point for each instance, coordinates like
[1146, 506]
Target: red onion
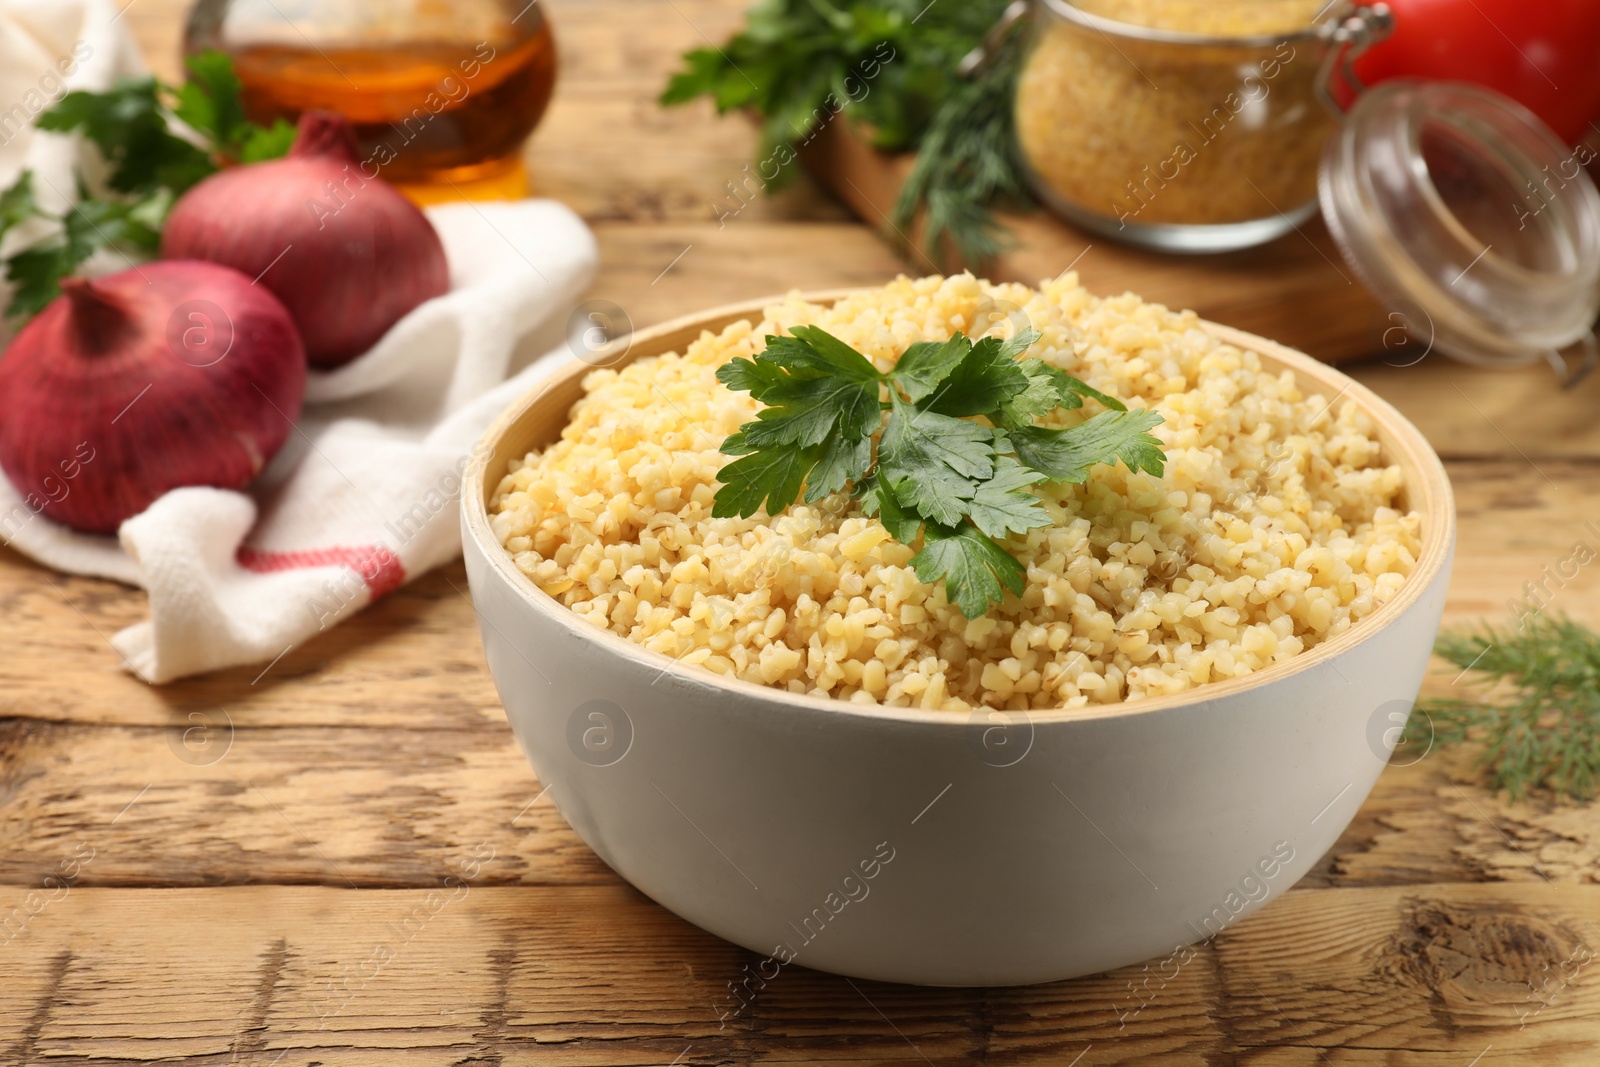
[170, 374]
[345, 252]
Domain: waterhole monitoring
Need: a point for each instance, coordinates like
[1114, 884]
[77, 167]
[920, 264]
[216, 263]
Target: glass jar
[1474, 223]
[1185, 125]
[1206, 125]
[452, 88]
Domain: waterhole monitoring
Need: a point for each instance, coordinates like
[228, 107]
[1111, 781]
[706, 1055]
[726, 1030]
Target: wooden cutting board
[1297, 290]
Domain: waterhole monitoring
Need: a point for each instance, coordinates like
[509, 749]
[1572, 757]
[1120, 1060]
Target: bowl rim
[1437, 509]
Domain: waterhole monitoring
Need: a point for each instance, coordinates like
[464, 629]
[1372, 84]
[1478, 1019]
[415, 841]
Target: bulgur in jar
[1190, 125]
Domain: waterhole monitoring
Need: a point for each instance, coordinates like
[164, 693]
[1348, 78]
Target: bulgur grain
[1273, 528]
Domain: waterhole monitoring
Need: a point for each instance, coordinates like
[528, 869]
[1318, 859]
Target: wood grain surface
[344, 859]
[471, 974]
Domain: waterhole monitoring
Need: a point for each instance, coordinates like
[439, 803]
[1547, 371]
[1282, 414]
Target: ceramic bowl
[937, 848]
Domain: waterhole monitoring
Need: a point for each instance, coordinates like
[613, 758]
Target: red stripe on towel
[378, 567]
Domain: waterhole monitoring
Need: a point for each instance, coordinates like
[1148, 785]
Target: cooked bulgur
[1273, 527]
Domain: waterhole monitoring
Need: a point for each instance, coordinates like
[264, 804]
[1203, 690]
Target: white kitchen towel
[363, 496]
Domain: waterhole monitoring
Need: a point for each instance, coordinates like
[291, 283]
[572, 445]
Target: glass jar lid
[1466, 215]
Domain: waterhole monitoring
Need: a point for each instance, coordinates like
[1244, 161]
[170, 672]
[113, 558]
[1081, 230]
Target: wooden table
[251, 867]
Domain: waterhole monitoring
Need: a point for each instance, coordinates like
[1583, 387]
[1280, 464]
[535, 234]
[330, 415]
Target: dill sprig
[1538, 713]
[968, 163]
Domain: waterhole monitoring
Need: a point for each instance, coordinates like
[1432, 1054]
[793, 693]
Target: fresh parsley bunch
[798, 62]
[936, 473]
[158, 141]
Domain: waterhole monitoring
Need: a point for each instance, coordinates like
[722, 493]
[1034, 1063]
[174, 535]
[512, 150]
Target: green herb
[968, 161]
[890, 65]
[958, 484]
[1541, 729]
[211, 102]
[157, 141]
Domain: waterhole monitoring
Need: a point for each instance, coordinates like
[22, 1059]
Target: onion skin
[359, 257]
[167, 375]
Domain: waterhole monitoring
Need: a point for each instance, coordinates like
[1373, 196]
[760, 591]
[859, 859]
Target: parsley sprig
[889, 67]
[938, 474]
[1538, 719]
[158, 141]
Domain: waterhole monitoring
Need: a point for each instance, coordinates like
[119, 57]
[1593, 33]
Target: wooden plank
[660, 272]
[208, 801]
[1430, 972]
[202, 802]
[1432, 821]
[413, 659]
[1475, 413]
[597, 975]
[1515, 519]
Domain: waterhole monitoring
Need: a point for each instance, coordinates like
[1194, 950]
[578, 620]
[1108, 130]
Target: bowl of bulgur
[773, 728]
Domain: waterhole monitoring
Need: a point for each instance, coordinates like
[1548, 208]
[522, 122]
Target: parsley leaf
[757, 377]
[123, 224]
[16, 203]
[1067, 455]
[1048, 388]
[983, 382]
[1042, 395]
[878, 499]
[934, 462]
[940, 476]
[770, 478]
[211, 103]
[807, 411]
[129, 124]
[1069, 389]
[209, 100]
[150, 161]
[816, 430]
[35, 274]
[973, 567]
[814, 385]
[925, 364]
[821, 351]
[260, 145]
[842, 462]
[1001, 505]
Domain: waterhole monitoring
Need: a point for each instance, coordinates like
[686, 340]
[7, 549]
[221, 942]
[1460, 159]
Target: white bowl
[917, 846]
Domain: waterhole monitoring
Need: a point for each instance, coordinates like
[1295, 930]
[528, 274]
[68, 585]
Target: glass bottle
[446, 90]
